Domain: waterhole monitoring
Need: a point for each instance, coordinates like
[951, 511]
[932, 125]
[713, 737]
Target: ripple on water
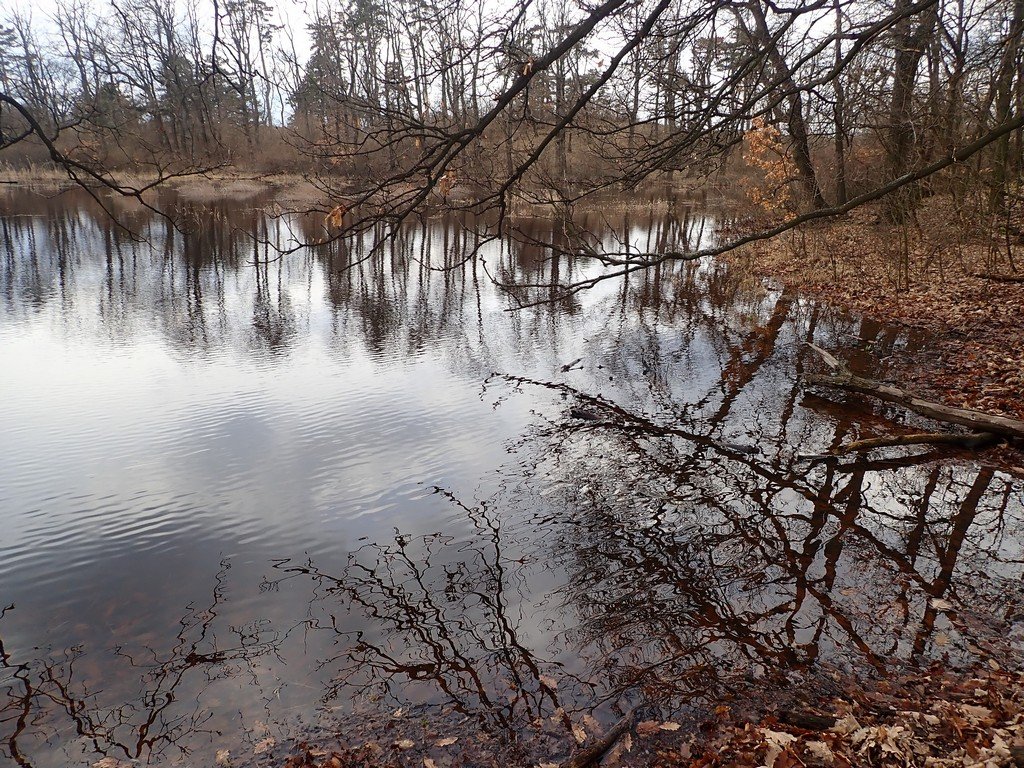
[192, 448]
[243, 467]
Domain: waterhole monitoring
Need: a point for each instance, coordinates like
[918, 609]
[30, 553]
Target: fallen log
[973, 440]
[999, 278]
[966, 417]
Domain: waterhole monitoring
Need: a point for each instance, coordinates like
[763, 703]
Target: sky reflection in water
[243, 494]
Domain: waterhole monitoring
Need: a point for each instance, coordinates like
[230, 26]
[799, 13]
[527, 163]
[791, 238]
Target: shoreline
[783, 710]
[934, 717]
[300, 188]
[971, 316]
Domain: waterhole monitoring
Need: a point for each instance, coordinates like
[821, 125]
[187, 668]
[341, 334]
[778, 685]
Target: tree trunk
[839, 114]
[1004, 86]
[910, 43]
[796, 121]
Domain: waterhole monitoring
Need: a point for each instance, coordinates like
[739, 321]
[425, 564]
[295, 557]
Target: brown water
[246, 495]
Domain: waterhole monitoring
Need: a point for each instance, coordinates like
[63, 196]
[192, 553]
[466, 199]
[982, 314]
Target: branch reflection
[167, 705]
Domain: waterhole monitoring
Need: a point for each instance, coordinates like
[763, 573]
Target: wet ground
[247, 497]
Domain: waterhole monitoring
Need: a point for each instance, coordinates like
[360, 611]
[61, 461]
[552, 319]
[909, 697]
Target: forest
[852, 100]
[661, 359]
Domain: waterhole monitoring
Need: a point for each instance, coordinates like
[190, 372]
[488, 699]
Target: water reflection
[245, 493]
[688, 567]
[447, 622]
[161, 697]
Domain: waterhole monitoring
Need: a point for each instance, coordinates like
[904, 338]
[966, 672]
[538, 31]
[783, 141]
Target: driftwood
[973, 440]
[979, 421]
[593, 753]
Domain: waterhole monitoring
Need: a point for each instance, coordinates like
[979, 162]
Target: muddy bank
[284, 189]
[321, 192]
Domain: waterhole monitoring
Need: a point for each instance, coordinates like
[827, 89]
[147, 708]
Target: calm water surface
[246, 495]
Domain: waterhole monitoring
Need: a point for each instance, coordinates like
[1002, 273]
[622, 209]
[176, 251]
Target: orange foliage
[336, 218]
[765, 152]
[447, 182]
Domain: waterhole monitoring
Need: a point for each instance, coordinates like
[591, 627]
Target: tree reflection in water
[670, 547]
[45, 697]
[682, 580]
[447, 616]
[683, 565]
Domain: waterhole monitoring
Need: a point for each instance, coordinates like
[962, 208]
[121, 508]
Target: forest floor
[959, 292]
[927, 718]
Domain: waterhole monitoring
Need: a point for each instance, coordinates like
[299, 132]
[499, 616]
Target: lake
[248, 494]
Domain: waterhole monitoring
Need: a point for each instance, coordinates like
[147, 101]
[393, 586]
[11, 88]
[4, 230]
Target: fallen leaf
[578, 733]
[550, 682]
[669, 726]
[776, 743]
[821, 752]
[1000, 748]
[647, 727]
[223, 758]
[263, 745]
[447, 742]
[941, 605]
[428, 763]
[405, 743]
[686, 750]
[846, 725]
[977, 715]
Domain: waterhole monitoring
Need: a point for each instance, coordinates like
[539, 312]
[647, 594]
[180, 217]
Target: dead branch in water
[977, 420]
[972, 440]
[597, 750]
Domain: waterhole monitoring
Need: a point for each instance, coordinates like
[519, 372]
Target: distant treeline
[824, 99]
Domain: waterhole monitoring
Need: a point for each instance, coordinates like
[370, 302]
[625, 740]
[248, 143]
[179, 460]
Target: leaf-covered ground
[926, 276]
[932, 718]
